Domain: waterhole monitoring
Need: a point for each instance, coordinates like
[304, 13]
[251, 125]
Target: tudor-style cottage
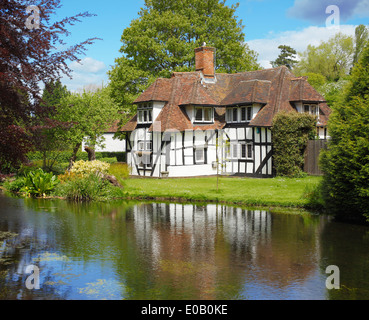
[196, 123]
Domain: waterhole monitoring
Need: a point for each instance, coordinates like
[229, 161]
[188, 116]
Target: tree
[163, 38]
[91, 115]
[333, 59]
[287, 57]
[28, 57]
[361, 40]
[346, 162]
[45, 136]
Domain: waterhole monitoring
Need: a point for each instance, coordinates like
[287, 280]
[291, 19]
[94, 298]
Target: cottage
[200, 123]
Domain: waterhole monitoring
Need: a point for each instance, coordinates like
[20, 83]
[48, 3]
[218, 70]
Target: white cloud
[298, 40]
[86, 73]
[88, 65]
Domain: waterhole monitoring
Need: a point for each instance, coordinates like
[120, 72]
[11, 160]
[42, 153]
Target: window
[144, 113]
[246, 114]
[204, 114]
[242, 151]
[239, 114]
[312, 109]
[200, 155]
[144, 154]
[232, 115]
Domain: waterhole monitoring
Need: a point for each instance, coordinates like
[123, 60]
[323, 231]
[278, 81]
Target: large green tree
[346, 162]
[90, 114]
[332, 59]
[163, 38]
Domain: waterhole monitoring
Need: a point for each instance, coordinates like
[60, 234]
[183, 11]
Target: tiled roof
[275, 89]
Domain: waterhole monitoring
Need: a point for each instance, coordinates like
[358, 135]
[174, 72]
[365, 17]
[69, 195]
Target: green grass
[280, 192]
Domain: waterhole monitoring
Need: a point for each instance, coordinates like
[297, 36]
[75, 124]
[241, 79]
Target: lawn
[284, 192]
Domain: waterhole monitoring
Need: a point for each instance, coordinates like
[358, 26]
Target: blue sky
[267, 24]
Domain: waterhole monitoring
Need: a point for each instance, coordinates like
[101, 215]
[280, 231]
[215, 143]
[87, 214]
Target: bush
[90, 167]
[291, 133]
[14, 186]
[88, 187]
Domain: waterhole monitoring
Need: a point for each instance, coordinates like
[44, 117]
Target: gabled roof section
[131, 125]
[248, 92]
[194, 93]
[302, 90]
[171, 118]
[160, 90]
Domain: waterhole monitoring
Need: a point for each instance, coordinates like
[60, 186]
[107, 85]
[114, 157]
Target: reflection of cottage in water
[196, 246]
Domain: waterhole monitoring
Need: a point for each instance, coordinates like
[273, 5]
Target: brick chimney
[205, 58]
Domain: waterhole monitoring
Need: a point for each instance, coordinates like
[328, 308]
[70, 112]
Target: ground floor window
[200, 155]
[242, 151]
[144, 154]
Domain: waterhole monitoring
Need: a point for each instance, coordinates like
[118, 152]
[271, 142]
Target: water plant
[39, 183]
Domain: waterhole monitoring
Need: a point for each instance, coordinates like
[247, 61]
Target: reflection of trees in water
[346, 246]
[178, 251]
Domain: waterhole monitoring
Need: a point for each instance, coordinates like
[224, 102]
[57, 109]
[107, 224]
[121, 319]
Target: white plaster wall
[110, 144]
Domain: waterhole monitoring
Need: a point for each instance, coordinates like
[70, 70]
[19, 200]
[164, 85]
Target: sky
[267, 24]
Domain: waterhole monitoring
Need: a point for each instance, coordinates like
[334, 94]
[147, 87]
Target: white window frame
[311, 106]
[248, 113]
[203, 115]
[202, 160]
[142, 109]
[230, 115]
[236, 151]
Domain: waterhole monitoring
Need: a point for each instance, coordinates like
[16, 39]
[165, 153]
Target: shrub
[39, 183]
[291, 133]
[90, 167]
[88, 187]
[14, 186]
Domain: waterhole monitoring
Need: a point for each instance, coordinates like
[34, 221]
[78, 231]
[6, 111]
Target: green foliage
[39, 183]
[291, 133]
[287, 57]
[14, 186]
[317, 80]
[332, 59]
[346, 162]
[361, 40]
[163, 38]
[83, 188]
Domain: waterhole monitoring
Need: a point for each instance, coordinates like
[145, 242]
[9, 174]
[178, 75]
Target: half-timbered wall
[241, 150]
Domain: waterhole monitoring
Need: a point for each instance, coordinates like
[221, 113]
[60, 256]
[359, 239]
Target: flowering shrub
[90, 167]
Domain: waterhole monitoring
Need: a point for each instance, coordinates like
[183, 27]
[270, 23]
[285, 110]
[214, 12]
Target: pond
[158, 251]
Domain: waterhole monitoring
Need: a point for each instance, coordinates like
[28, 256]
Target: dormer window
[144, 113]
[312, 109]
[204, 114]
[239, 114]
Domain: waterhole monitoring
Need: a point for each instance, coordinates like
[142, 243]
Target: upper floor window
[239, 114]
[144, 113]
[204, 114]
[311, 109]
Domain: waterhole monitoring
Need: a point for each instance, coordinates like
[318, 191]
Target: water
[159, 251]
